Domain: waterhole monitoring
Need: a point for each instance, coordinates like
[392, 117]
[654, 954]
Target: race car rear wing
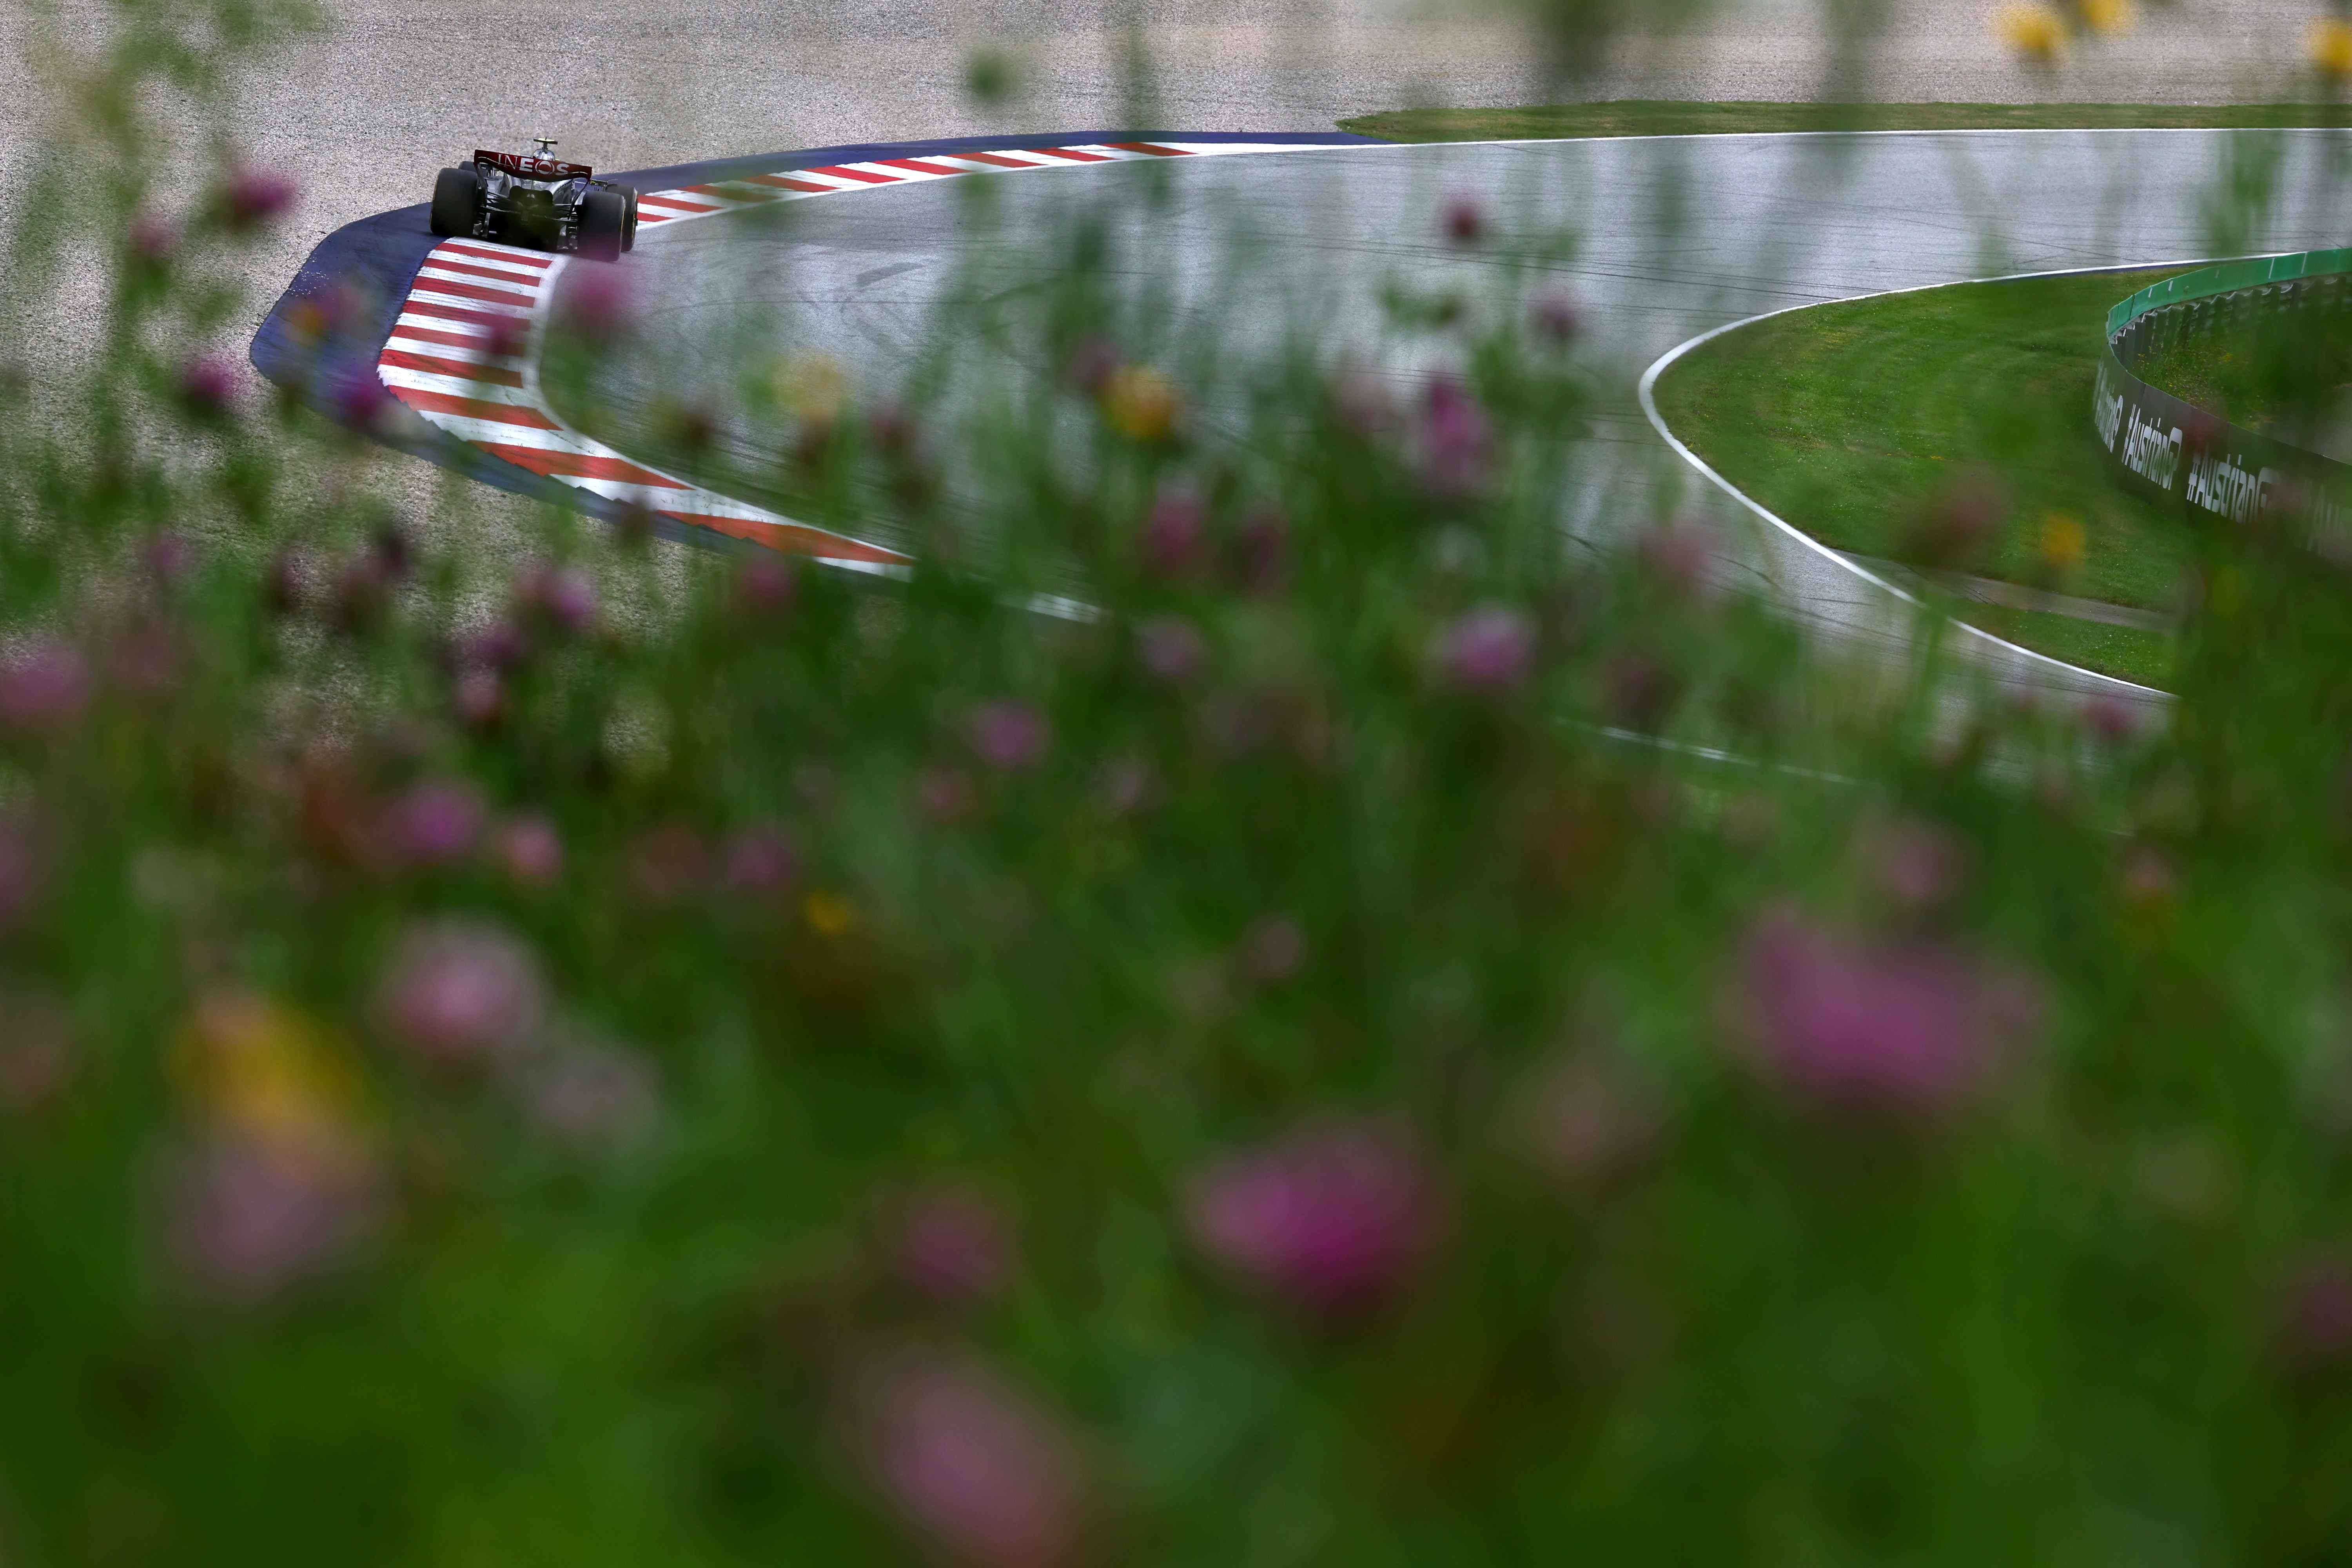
[524, 165]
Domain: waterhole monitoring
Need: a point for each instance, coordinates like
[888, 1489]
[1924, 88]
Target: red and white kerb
[464, 351]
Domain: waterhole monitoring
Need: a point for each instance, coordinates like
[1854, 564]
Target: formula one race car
[523, 198]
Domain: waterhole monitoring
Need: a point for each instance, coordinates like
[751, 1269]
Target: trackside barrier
[2194, 458]
[2227, 279]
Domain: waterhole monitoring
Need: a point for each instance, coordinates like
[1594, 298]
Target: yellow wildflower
[309, 321]
[2330, 45]
[262, 1070]
[2035, 31]
[814, 386]
[828, 914]
[2062, 542]
[1140, 402]
[2109, 17]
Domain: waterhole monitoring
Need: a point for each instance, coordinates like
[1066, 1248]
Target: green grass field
[1855, 420]
[2287, 377]
[2135, 655]
[1648, 117]
[2214, 373]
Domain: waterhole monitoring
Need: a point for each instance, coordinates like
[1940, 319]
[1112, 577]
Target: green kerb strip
[2227, 278]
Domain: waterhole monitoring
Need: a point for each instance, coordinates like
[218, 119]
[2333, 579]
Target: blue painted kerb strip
[359, 274]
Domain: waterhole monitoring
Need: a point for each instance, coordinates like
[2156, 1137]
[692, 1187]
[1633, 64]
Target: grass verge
[2126, 652]
[2214, 373]
[1858, 420]
[1652, 117]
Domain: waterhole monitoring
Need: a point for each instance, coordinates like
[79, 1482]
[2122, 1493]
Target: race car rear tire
[457, 202]
[629, 227]
[602, 216]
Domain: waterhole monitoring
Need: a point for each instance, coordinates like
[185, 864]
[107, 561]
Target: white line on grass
[1647, 391]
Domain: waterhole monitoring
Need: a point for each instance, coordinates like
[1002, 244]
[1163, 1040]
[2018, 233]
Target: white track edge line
[1647, 392]
[539, 310]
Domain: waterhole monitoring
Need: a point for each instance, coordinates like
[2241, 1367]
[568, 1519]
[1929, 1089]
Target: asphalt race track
[393, 88]
[366, 109]
[1752, 224]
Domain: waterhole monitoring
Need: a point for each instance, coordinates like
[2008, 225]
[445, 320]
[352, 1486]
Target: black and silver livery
[531, 199]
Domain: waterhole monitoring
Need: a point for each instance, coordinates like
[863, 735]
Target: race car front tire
[629, 226]
[603, 214]
[457, 202]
